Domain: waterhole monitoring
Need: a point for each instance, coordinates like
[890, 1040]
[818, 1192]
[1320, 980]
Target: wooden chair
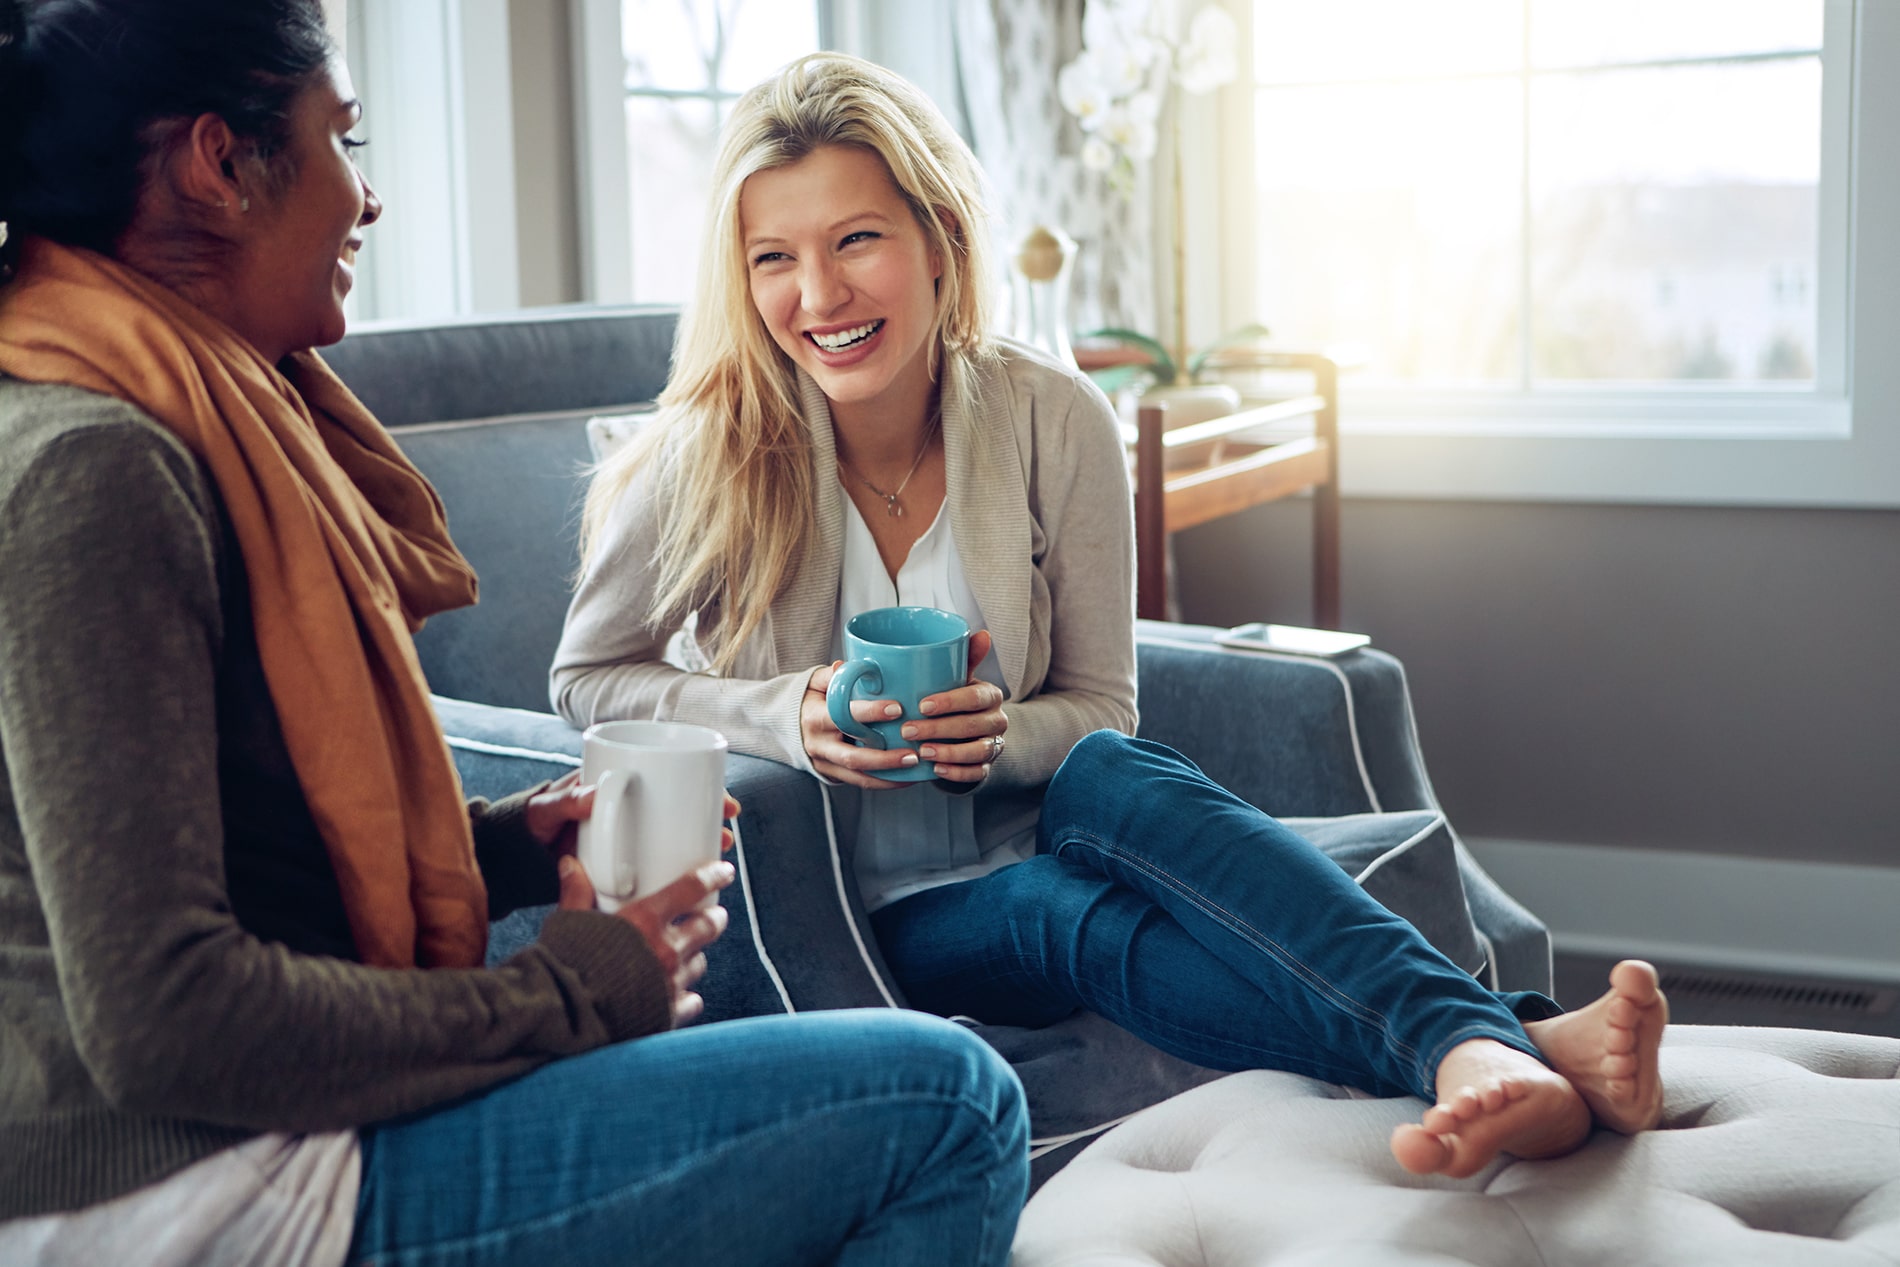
[1238, 475]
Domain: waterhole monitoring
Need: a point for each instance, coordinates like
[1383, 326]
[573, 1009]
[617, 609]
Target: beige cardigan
[1043, 519]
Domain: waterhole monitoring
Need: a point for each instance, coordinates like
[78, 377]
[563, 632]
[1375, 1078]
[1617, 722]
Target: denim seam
[1359, 1012]
[546, 1222]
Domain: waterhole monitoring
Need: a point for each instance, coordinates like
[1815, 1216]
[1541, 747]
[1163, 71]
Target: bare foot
[1608, 1049]
[1492, 1099]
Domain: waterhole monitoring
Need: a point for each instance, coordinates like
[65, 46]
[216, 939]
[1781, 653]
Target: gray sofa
[494, 411]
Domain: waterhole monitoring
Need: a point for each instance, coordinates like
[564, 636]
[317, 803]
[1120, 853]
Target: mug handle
[611, 868]
[838, 699]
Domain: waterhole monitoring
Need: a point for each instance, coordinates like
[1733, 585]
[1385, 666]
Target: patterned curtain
[1007, 56]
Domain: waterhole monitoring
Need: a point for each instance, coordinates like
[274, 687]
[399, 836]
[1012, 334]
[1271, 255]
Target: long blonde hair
[730, 445]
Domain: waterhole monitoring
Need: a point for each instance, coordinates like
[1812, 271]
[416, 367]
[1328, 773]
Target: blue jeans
[845, 1137]
[1188, 917]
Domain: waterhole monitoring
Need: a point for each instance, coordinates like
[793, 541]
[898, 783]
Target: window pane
[1673, 230]
[694, 45]
[1596, 32]
[1297, 41]
[669, 169]
[664, 45]
[768, 34]
[1388, 216]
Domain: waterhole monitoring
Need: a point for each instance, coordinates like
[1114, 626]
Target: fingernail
[910, 732]
[927, 752]
[893, 710]
[928, 706]
[910, 758]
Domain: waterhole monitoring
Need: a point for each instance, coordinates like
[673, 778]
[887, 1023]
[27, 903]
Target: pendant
[891, 507]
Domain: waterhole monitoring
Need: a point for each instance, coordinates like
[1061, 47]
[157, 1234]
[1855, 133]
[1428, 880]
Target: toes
[1635, 980]
[1623, 1065]
[1439, 1120]
[1419, 1150]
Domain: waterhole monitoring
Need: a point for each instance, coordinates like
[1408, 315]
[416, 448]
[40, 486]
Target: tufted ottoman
[1778, 1146]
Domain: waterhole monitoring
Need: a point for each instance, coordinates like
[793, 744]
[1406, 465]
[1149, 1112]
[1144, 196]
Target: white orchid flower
[1082, 93]
[1109, 23]
[1123, 68]
[1097, 155]
[1125, 131]
[1206, 59]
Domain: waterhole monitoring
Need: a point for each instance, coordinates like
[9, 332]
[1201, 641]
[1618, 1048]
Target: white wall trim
[600, 145]
[1709, 910]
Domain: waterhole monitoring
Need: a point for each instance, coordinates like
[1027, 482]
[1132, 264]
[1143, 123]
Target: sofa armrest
[1299, 736]
[1303, 737]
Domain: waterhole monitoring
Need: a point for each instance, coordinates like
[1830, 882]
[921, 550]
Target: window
[1581, 241]
[1546, 193]
[686, 62]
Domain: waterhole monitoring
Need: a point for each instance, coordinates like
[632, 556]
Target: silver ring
[996, 745]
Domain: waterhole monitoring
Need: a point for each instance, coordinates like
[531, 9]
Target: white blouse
[919, 836]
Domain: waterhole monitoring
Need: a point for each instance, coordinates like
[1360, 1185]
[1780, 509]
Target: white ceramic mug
[659, 803]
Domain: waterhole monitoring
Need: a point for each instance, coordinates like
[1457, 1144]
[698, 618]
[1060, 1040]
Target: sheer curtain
[1007, 56]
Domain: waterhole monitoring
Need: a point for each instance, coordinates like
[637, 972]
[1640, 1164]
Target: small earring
[245, 206]
[224, 203]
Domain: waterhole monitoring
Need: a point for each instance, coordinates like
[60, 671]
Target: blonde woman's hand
[961, 732]
[836, 757]
[671, 922]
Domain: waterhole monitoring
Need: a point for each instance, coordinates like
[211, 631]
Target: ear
[205, 168]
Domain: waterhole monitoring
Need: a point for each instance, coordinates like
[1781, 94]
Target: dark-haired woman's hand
[962, 730]
[671, 921]
[836, 757]
[555, 813]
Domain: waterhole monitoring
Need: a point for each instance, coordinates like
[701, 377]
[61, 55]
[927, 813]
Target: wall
[1705, 680]
[545, 184]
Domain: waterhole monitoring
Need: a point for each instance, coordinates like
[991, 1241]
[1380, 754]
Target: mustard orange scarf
[347, 551]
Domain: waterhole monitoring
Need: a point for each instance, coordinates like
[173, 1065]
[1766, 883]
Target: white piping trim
[502, 750]
[1345, 686]
[752, 917]
[1041, 1147]
[844, 903]
[1360, 879]
[1490, 957]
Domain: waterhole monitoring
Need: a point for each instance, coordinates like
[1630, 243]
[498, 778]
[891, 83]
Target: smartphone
[1291, 640]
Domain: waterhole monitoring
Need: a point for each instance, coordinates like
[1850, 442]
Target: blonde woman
[841, 433]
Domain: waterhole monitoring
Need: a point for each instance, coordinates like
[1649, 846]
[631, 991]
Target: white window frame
[1836, 444]
[438, 78]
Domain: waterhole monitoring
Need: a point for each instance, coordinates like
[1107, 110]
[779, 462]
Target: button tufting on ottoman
[1778, 1146]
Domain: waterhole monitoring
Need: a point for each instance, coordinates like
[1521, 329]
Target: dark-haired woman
[243, 1004]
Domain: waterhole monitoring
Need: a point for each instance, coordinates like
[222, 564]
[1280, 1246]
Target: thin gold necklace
[892, 506]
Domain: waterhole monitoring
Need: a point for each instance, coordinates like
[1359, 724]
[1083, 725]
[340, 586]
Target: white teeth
[845, 338]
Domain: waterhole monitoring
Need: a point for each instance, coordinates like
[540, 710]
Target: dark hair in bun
[87, 87]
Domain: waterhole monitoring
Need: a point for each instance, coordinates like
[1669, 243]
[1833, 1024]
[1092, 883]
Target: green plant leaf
[1161, 365]
[1245, 334]
[1116, 377]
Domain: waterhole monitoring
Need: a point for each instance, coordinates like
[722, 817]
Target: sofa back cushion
[513, 488]
[494, 411]
[566, 359]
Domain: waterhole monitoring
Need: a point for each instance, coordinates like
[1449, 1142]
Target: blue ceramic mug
[902, 654]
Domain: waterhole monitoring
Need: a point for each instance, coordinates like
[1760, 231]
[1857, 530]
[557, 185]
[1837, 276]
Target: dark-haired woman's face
[298, 260]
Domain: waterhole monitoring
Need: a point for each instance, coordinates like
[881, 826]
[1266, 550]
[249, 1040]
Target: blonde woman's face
[843, 277]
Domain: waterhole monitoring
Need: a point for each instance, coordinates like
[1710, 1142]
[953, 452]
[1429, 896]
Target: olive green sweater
[176, 969]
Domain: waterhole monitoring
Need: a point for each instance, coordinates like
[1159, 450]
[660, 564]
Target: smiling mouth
[839, 340]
